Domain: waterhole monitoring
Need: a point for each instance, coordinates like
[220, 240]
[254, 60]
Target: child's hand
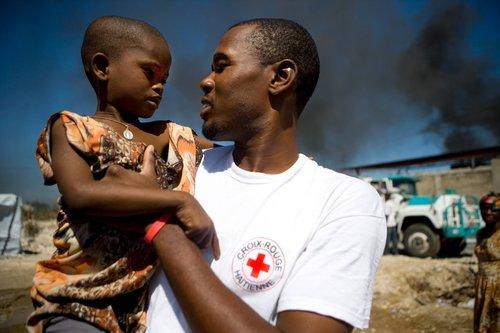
[197, 225]
[192, 218]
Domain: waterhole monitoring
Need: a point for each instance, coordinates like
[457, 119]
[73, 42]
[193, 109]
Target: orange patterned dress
[99, 274]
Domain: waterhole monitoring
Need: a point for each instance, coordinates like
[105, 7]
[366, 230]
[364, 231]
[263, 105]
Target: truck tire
[452, 247]
[421, 241]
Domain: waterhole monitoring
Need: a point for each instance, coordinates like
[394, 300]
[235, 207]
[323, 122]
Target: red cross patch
[258, 265]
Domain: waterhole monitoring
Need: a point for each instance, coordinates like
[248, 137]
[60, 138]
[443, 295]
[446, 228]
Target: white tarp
[10, 224]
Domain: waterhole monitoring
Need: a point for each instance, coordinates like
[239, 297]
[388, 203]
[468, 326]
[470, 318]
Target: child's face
[136, 79]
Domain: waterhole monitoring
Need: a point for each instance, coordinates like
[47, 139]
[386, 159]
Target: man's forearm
[207, 304]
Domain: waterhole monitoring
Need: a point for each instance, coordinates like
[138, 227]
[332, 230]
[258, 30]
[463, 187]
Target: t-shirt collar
[245, 176]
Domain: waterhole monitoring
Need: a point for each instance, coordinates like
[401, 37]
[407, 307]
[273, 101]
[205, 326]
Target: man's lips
[206, 106]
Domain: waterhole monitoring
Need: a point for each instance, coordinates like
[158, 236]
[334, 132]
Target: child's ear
[284, 76]
[99, 66]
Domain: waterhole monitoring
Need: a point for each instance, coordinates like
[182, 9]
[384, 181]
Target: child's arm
[204, 143]
[106, 197]
[122, 193]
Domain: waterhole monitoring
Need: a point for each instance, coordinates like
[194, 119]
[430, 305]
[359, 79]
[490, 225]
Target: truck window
[406, 186]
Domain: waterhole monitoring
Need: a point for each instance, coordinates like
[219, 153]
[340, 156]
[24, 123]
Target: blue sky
[358, 115]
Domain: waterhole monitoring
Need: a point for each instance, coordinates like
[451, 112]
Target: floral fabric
[97, 273]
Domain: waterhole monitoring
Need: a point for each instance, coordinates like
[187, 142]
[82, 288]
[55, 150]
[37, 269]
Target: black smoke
[384, 76]
[457, 90]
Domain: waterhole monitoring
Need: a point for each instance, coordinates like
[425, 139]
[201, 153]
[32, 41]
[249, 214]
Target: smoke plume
[456, 90]
[383, 79]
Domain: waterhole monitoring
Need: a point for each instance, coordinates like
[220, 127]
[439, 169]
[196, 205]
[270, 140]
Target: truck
[429, 226]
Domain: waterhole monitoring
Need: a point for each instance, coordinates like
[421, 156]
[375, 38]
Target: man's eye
[219, 67]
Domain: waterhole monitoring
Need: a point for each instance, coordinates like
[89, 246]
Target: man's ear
[284, 76]
[100, 66]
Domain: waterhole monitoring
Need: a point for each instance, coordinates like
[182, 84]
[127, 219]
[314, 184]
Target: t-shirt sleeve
[334, 275]
[83, 134]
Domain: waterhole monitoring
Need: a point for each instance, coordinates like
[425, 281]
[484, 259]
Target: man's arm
[209, 306]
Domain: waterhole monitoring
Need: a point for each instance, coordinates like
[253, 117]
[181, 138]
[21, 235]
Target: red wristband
[156, 227]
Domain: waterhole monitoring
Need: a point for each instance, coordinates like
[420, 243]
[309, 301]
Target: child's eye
[149, 73]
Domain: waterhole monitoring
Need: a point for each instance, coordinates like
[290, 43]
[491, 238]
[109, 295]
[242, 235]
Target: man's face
[136, 78]
[235, 93]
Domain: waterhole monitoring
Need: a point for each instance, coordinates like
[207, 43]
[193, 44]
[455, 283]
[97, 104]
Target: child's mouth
[154, 101]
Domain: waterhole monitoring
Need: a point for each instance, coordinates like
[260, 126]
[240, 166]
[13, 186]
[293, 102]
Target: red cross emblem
[258, 265]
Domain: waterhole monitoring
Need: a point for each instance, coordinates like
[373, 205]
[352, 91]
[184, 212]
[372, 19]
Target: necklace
[127, 134]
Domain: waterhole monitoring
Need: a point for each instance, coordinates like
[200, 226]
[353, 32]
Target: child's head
[127, 62]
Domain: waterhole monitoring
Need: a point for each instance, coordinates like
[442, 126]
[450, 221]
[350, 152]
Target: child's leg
[61, 324]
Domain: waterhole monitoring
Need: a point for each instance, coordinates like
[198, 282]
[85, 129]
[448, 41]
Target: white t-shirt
[391, 209]
[307, 239]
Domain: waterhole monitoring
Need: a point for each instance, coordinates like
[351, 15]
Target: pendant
[127, 134]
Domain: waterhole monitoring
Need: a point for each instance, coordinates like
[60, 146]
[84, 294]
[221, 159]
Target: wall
[495, 172]
[473, 181]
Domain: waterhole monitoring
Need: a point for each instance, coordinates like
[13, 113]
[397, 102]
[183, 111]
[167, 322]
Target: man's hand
[192, 218]
[148, 165]
[146, 179]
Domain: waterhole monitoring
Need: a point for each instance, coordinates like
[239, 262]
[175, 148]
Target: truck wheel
[421, 241]
[452, 247]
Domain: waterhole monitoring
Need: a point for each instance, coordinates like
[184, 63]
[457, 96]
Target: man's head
[275, 39]
[258, 65]
[131, 58]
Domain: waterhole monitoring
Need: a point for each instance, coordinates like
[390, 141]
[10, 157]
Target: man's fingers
[215, 246]
[148, 163]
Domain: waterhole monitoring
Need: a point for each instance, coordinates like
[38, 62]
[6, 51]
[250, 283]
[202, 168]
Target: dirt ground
[16, 275]
[423, 295]
[411, 295]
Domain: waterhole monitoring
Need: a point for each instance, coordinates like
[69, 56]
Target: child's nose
[158, 88]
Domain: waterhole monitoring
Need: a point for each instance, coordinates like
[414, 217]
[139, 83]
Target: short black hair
[112, 35]
[277, 39]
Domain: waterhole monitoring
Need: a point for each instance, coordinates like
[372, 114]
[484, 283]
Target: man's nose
[207, 84]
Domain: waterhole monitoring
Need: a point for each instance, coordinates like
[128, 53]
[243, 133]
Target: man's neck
[273, 153]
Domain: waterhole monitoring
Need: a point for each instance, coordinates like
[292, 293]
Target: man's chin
[214, 132]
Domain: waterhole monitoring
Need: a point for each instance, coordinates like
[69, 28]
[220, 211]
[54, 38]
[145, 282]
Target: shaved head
[276, 39]
[112, 35]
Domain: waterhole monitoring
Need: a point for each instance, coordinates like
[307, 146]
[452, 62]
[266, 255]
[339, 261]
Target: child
[98, 275]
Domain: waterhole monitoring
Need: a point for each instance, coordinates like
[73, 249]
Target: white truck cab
[427, 225]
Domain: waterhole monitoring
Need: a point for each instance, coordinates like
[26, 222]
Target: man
[300, 244]
[391, 209]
